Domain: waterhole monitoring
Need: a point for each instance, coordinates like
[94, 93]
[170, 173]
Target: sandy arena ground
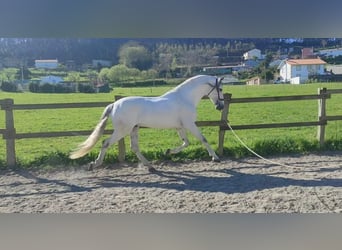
[312, 183]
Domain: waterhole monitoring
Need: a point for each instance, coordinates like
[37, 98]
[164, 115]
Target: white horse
[175, 109]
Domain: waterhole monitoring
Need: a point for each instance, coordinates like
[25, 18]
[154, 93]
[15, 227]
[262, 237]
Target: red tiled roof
[305, 61]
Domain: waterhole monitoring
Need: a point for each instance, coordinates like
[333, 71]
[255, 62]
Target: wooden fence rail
[10, 135]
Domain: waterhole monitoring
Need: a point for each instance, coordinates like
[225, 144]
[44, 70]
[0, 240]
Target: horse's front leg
[197, 133]
[135, 148]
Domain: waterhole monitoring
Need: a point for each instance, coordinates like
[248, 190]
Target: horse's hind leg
[182, 135]
[116, 136]
[135, 148]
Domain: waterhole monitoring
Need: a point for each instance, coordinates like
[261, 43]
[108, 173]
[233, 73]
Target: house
[251, 64]
[330, 52]
[335, 69]
[299, 70]
[46, 64]
[252, 54]
[254, 81]
[308, 53]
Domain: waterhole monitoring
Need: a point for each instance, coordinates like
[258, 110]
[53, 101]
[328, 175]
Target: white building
[330, 52]
[252, 54]
[299, 70]
[335, 69]
[46, 64]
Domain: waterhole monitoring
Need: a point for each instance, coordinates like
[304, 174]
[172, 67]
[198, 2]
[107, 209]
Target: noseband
[217, 87]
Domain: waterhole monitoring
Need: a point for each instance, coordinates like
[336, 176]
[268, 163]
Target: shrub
[9, 87]
[47, 88]
[34, 87]
[85, 88]
[62, 88]
[50, 88]
[105, 88]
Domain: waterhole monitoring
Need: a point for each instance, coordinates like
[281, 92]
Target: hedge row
[146, 83]
[65, 88]
[50, 88]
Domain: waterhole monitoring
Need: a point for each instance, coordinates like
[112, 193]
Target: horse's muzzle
[219, 106]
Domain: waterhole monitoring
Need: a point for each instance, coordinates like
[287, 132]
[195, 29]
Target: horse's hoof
[91, 166]
[152, 170]
[216, 159]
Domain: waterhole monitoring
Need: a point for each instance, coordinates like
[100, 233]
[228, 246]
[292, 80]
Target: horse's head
[216, 94]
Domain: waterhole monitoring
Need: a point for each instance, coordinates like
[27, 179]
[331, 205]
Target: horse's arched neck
[195, 94]
[192, 91]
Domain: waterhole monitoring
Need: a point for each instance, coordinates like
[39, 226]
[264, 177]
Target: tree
[268, 59]
[118, 73]
[269, 75]
[73, 76]
[164, 63]
[135, 56]
[324, 43]
[148, 74]
[8, 75]
[104, 74]
[23, 72]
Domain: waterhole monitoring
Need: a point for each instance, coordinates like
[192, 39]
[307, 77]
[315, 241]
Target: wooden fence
[10, 135]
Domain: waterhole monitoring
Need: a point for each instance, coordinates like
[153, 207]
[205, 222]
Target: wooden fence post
[321, 115]
[9, 134]
[122, 150]
[121, 144]
[224, 119]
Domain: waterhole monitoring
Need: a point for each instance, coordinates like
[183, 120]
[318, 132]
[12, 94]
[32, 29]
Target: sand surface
[310, 183]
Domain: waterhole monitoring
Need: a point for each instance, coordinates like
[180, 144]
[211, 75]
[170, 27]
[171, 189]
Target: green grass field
[153, 142]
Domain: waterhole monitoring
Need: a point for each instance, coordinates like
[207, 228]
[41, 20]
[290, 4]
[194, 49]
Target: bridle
[217, 88]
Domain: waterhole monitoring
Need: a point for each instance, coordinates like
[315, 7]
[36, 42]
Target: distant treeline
[81, 51]
[35, 87]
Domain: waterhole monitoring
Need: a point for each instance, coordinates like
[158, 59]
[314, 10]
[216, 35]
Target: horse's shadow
[65, 187]
[230, 181]
[227, 181]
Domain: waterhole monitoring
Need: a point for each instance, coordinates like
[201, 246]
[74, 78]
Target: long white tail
[90, 142]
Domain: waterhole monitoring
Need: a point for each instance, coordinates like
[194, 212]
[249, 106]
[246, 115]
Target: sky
[177, 18]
